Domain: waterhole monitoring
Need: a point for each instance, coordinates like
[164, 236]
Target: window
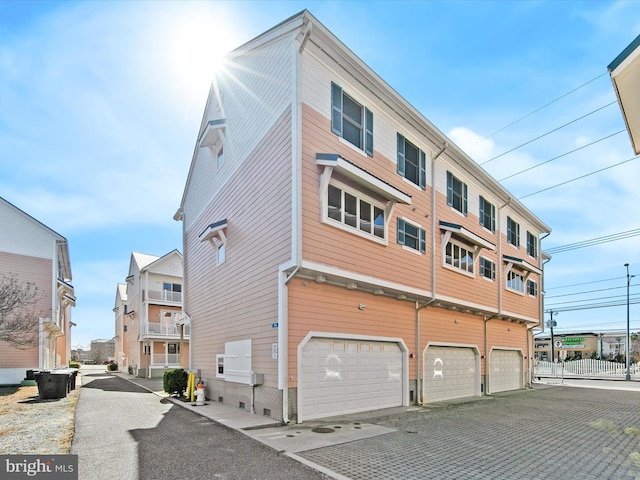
[411, 162]
[513, 232]
[171, 292]
[532, 245]
[173, 348]
[532, 288]
[456, 193]
[220, 157]
[411, 236]
[515, 281]
[124, 328]
[351, 121]
[459, 256]
[487, 214]
[487, 268]
[355, 211]
[220, 254]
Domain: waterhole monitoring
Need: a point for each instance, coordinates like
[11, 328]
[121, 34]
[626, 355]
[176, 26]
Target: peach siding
[390, 262]
[327, 308]
[38, 271]
[239, 299]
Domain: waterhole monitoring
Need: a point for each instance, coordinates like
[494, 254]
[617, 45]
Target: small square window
[487, 268]
[411, 236]
[532, 288]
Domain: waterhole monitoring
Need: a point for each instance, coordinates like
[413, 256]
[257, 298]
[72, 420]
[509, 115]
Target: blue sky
[100, 103]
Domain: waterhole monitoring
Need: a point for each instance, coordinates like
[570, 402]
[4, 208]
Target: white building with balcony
[149, 335]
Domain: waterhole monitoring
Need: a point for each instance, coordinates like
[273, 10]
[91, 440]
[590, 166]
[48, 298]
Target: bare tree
[99, 352]
[19, 321]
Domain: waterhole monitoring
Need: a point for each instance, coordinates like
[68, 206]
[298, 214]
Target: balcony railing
[168, 329]
[168, 359]
[165, 296]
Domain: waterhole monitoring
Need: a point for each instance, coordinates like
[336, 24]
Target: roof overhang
[467, 235]
[213, 131]
[215, 232]
[362, 177]
[625, 75]
[522, 264]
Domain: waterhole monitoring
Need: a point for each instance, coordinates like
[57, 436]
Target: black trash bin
[31, 374]
[72, 372]
[52, 385]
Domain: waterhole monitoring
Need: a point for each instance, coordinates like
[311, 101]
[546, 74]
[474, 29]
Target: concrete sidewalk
[288, 439]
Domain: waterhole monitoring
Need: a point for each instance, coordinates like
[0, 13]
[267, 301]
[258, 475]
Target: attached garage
[338, 376]
[505, 370]
[450, 372]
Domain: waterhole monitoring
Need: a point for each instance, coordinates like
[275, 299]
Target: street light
[628, 355]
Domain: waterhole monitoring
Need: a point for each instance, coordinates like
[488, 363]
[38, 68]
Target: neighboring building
[34, 253]
[102, 350]
[579, 345]
[341, 254]
[149, 333]
[625, 75]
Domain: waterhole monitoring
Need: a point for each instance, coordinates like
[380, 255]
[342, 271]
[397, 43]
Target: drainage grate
[322, 430]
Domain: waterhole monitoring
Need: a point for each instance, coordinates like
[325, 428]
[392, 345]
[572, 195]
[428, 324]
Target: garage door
[506, 370]
[450, 372]
[345, 376]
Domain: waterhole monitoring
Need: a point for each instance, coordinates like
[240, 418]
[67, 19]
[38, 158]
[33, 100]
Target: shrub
[112, 367]
[175, 381]
[74, 365]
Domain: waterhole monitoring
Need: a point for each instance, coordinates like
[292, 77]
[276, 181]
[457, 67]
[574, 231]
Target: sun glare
[197, 42]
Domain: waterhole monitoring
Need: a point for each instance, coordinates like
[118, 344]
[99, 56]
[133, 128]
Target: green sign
[573, 341]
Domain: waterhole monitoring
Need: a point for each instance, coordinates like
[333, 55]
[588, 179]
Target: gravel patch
[30, 426]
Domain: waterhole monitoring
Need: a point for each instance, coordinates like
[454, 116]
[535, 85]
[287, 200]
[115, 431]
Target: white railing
[171, 329]
[168, 359]
[165, 296]
[586, 367]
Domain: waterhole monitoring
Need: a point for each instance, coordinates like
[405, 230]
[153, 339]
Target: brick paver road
[544, 433]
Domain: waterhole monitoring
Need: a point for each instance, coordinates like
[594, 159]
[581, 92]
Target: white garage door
[506, 371]
[346, 376]
[450, 372]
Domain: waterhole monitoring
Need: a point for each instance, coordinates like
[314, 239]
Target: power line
[560, 156]
[594, 241]
[585, 283]
[589, 291]
[549, 132]
[595, 305]
[623, 299]
[579, 178]
[542, 107]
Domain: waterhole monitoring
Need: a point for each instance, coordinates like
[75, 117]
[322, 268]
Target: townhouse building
[149, 334]
[341, 254]
[33, 253]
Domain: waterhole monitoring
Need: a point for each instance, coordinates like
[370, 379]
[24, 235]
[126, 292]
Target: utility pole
[551, 325]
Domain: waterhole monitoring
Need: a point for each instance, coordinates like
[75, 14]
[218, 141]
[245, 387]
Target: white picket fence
[586, 367]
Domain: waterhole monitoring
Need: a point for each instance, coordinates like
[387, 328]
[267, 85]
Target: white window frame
[360, 196]
[492, 276]
[220, 156]
[483, 204]
[509, 279]
[470, 270]
[513, 232]
[532, 245]
[421, 247]
[453, 194]
[339, 117]
[535, 288]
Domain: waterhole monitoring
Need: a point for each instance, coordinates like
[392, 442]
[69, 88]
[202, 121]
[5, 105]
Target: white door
[505, 371]
[450, 372]
[340, 376]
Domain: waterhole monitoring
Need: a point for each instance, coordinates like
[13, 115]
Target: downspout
[500, 270]
[296, 219]
[420, 399]
[486, 353]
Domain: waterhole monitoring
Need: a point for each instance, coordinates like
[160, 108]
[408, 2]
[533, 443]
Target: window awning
[213, 131]
[215, 232]
[520, 263]
[467, 235]
[362, 177]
